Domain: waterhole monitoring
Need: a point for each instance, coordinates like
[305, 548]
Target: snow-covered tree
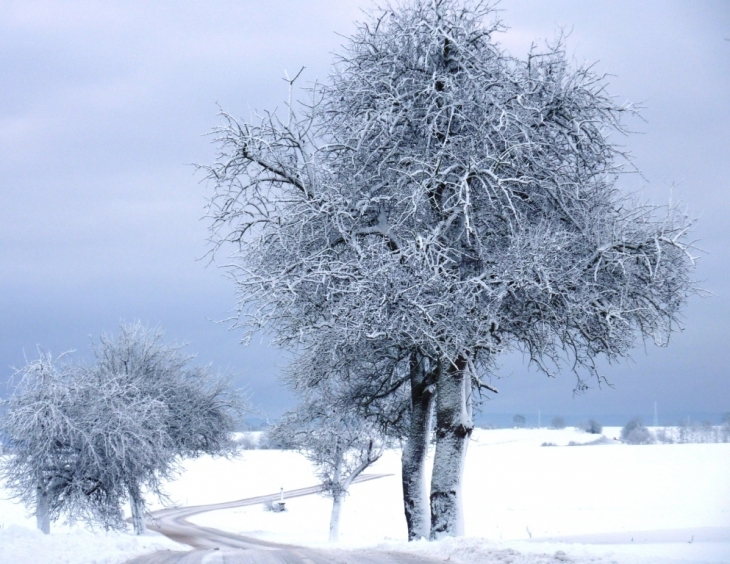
[339, 442]
[196, 413]
[83, 439]
[51, 425]
[453, 202]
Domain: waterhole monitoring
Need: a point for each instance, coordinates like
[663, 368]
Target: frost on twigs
[439, 197]
[337, 440]
[85, 438]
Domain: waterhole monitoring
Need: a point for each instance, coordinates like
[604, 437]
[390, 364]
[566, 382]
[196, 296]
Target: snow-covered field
[21, 542]
[524, 503]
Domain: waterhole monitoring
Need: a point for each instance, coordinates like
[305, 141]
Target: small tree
[558, 423]
[636, 433]
[52, 424]
[518, 421]
[85, 438]
[38, 439]
[592, 426]
[339, 442]
[196, 414]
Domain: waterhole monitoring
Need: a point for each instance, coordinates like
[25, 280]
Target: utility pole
[539, 422]
[656, 416]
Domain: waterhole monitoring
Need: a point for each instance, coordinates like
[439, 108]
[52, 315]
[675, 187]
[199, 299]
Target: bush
[591, 426]
[274, 506]
[557, 423]
[663, 436]
[635, 433]
[246, 441]
[725, 432]
[274, 438]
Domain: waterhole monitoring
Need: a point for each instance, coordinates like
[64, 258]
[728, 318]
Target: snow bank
[470, 550]
[21, 544]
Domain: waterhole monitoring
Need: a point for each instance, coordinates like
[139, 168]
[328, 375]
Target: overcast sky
[104, 105]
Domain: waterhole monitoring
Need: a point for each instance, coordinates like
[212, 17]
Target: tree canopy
[438, 196]
[84, 438]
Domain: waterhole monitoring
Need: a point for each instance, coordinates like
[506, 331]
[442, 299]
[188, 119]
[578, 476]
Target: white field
[523, 503]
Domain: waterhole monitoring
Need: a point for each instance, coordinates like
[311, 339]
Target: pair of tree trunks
[449, 391]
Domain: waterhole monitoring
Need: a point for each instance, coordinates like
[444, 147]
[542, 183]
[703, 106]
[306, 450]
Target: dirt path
[213, 546]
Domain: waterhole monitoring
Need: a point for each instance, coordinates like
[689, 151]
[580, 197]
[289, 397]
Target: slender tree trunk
[43, 510]
[453, 429]
[335, 517]
[413, 461]
[137, 506]
[336, 498]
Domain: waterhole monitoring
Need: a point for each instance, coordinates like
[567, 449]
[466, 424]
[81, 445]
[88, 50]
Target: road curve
[213, 546]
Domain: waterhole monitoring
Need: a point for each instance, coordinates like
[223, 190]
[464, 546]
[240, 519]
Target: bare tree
[85, 438]
[455, 202]
[196, 412]
[38, 436]
[636, 433]
[53, 423]
[393, 389]
[338, 441]
[557, 422]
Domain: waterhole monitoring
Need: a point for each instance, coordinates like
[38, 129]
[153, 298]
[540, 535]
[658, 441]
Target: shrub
[558, 423]
[636, 433]
[725, 432]
[273, 438]
[591, 426]
[663, 436]
[274, 506]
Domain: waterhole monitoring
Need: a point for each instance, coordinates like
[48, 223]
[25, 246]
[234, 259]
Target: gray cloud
[103, 104]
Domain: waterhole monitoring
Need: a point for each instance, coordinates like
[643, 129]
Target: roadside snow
[470, 550]
[20, 544]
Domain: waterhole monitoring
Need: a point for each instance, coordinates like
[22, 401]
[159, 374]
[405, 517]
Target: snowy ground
[524, 503]
[21, 542]
[595, 503]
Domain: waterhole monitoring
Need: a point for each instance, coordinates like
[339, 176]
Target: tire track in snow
[213, 546]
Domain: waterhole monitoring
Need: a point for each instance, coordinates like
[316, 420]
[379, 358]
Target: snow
[76, 546]
[524, 503]
[20, 541]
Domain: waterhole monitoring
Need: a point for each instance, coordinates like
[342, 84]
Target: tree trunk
[43, 510]
[335, 517]
[413, 460]
[453, 429]
[337, 494]
[137, 505]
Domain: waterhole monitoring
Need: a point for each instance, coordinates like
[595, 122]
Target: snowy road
[213, 546]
